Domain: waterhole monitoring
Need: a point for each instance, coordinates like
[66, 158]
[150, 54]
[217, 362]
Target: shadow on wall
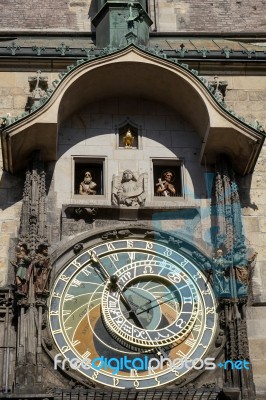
[92, 12]
[11, 189]
[12, 186]
[244, 184]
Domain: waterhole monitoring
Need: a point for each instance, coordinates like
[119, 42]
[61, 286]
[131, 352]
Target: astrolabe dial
[168, 313]
[125, 305]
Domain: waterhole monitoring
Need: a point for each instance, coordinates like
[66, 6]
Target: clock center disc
[148, 311]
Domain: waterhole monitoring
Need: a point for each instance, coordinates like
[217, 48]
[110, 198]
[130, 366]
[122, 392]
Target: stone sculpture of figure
[242, 268]
[165, 187]
[87, 186]
[21, 264]
[128, 139]
[41, 268]
[129, 191]
[221, 274]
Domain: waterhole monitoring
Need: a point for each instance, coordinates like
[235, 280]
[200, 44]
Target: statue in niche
[242, 268]
[221, 274]
[129, 191]
[165, 187]
[87, 186]
[41, 269]
[128, 139]
[21, 265]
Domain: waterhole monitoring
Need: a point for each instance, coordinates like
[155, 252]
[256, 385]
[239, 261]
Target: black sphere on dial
[113, 279]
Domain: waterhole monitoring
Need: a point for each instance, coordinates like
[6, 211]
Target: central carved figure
[129, 191]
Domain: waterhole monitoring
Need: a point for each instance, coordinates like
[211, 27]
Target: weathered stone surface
[6, 102]
[257, 95]
[3, 270]
[20, 102]
[242, 95]
[9, 226]
[261, 165]
[185, 16]
[31, 15]
[256, 324]
[231, 95]
[251, 224]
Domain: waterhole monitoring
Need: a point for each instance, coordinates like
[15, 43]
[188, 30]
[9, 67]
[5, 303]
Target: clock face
[127, 313]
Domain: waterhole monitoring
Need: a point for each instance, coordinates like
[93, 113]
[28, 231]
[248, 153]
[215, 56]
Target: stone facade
[91, 134]
[169, 16]
[211, 16]
[159, 125]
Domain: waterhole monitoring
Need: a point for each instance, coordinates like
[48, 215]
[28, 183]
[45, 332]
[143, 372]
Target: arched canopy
[132, 72]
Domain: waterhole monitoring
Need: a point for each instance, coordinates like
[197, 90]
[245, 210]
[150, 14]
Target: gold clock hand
[102, 269]
[114, 282]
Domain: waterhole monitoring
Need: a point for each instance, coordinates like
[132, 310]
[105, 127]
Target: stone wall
[211, 16]
[11, 188]
[170, 16]
[60, 15]
[160, 125]
[15, 91]
[247, 96]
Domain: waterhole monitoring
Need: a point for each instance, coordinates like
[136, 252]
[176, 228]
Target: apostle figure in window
[164, 187]
[87, 186]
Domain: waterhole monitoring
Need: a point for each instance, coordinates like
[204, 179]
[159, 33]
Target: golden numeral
[95, 375]
[116, 381]
[157, 380]
[86, 354]
[149, 245]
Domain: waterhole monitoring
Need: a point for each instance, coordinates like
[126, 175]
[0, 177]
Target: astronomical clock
[126, 313]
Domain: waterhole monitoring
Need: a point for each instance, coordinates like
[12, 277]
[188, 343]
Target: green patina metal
[119, 23]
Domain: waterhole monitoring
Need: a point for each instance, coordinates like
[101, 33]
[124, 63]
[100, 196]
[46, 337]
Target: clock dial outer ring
[81, 262]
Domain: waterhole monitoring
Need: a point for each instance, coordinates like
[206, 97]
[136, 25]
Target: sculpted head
[168, 176]
[129, 134]
[128, 176]
[87, 177]
[219, 253]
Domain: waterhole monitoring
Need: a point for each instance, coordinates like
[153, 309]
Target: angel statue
[129, 191]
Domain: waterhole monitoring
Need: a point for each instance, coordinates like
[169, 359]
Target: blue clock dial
[136, 299]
